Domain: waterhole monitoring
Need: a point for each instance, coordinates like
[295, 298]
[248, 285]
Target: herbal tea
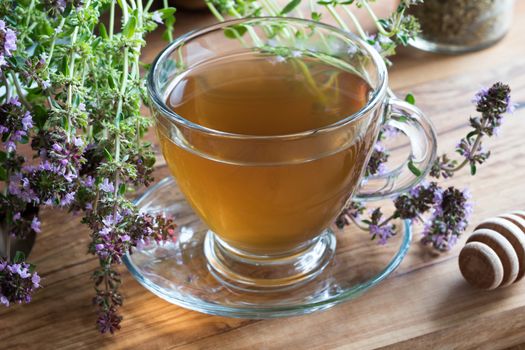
[275, 199]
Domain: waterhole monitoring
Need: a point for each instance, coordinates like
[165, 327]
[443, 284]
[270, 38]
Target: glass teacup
[269, 199]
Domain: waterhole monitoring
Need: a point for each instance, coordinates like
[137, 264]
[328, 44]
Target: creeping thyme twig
[396, 30]
[444, 212]
[492, 103]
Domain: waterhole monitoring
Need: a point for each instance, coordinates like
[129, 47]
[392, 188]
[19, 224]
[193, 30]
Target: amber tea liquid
[277, 198]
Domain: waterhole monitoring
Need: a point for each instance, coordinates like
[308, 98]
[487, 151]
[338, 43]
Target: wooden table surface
[425, 304]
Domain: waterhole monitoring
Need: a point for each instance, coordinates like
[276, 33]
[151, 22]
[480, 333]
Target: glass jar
[456, 26]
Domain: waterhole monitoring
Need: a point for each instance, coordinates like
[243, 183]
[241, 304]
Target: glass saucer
[177, 270]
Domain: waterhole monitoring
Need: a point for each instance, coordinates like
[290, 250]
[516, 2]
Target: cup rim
[158, 101]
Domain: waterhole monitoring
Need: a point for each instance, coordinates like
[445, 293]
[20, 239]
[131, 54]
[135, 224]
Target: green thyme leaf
[102, 31]
[235, 32]
[316, 16]
[19, 257]
[290, 7]
[122, 189]
[413, 168]
[108, 154]
[167, 12]
[3, 174]
[410, 99]
[130, 27]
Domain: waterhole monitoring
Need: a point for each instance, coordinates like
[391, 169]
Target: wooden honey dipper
[494, 255]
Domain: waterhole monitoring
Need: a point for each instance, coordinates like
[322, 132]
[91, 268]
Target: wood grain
[425, 304]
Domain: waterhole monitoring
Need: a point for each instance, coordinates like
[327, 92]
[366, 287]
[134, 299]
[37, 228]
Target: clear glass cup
[272, 238]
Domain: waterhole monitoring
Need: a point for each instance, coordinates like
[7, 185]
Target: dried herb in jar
[466, 23]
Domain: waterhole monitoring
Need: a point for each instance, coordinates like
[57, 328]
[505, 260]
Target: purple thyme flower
[14, 121]
[296, 53]
[27, 121]
[109, 321]
[10, 145]
[415, 191]
[107, 186]
[77, 141]
[473, 156]
[493, 102]
[380, 43]
[379, 147]
[352, 50]
[35, 279]
[376, 165]
[353, 210]
[389, 131]
[19, 187]
[14, 101]
[55, 7]
[480, 95]
[61, 4]
[89, 181]
[511, 106]
[7, 42]
[382, 169]
[448, 220]
[15, 268]
[438, 196]
[68, 199]
[378, 228]
[112, 220]
[35, 224]
[375, 43]
[17, 282]
[17, 216]
[382, 232]
[24, 272]
[61, 157]
[104, 231]
[156, 17]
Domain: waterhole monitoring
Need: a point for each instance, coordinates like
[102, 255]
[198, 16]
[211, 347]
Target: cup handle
[420, 131]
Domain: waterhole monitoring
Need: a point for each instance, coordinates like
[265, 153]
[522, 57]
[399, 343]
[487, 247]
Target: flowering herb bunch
[71, 132]
[444, 212]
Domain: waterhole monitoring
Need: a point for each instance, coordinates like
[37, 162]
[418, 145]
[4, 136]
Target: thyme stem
[473, 150]
[358, 26]
[337, 18]
[19, 92]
